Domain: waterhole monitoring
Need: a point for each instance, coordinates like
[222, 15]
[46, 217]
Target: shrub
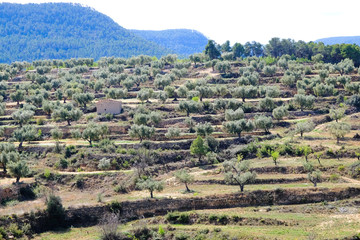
[115, 207]
[55, 210]
[334, 177]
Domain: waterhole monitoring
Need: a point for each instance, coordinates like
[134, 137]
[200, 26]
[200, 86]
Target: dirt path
[351, 180]
[94, 172]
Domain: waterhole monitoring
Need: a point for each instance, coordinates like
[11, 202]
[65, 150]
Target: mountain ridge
[340, 40]
[67, 30]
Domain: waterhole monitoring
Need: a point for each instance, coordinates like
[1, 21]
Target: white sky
[235, 20]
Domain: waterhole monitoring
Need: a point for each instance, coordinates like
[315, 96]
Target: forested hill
[340, 40]
[182, 41]
[63, 30]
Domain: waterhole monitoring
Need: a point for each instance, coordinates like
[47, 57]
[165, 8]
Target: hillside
[249, 148]
[60, 30]
[182, 41]
[340, 40]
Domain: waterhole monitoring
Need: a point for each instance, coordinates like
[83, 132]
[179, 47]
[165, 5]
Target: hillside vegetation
[61, 30]
[238, 142]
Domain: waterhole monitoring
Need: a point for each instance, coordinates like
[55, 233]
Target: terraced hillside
[259, 148]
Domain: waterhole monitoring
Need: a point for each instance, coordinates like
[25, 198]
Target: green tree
[238, 126]
[8, 154]
[189, 106]
[336, 114]
[184, 177]
[304, 101]
[238, 50]
[150, 185]
[83, 98]
[94, 132]
[67, 112]
[18, 169]
[302, 127]
[55, 210]
[211, 50]
[246, 91]
[144, 94]
[266, 104]
[280, 112]
[56, 133]
[238, 173]
[204, 129]
[263, 122]
[198, 147]
[25, 133]
[275, 156]
[22, 116]
[339, 130]
[231, 115]
[204, 91]
[141, 132]
[17, 96]
[314, 176]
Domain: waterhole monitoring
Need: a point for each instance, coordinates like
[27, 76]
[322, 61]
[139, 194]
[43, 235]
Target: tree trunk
[69, 122]
[90, 141]
[4, 168]
[319, 161]
[301, 134]
[241, 188]
[20, 144]
[239, 135]
[315, 183]
[187, 188]
[337, 140]
[17, 179]
[151, 194]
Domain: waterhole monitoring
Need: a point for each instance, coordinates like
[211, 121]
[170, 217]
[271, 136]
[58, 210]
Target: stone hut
[108, 106]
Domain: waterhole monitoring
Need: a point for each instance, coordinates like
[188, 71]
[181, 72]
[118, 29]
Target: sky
[234, 20]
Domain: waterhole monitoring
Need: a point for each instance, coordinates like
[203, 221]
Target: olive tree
[18, 169]
[266, 104]
[144, 94]
[263, 122]
[246, 91]
[141, 132]
[280, 112]
[238, 126]
[67, 112]
[304, 101]
[7, 154]
[25, 133]
[336, 114]
[184, 177]
[339, 130]
[94, 132]
[22, 116]
[305, 126]
[204, 129]
[314, 176]
[238, 173]
[231, 115]
[17, 96]
[189, 106]
[83, 98]
[173, 132]
[151, 185]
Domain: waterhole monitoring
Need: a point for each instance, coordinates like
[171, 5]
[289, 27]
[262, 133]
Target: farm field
[231, 148]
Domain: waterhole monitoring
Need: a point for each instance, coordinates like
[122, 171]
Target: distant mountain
[182, 41]
[340, 40]
[63, 30]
